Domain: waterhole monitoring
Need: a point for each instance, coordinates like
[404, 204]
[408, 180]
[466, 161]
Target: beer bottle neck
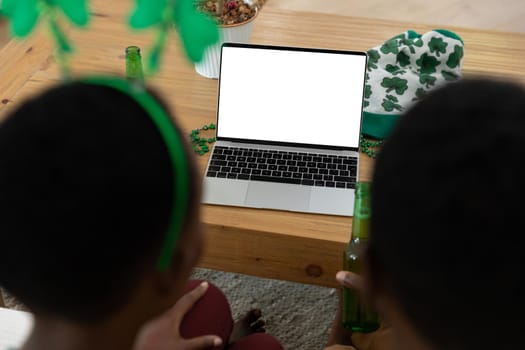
[134, 63]
[361, 219]
[360, 229]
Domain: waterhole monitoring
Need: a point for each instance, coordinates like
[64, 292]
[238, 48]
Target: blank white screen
[291, 96]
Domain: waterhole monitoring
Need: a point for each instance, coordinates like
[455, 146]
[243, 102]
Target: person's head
[446, 247]
[87, 189]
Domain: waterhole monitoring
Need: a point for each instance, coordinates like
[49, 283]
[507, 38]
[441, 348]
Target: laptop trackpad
[278, 196]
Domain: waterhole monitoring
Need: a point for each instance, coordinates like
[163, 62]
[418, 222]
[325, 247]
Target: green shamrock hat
[403, 70]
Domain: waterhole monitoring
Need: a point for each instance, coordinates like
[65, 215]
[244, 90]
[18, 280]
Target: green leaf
[196, 30]
[147, 13]
[154, 59]
[61, 39]
[23, 14]
[183, 8]
[197, 33]
[75, 10]
[155, 55]
[8, 7]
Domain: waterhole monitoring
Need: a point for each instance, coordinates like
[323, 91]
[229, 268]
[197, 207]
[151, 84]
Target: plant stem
[220, 7]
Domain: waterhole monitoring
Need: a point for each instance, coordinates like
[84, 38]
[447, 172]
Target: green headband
[176, 152]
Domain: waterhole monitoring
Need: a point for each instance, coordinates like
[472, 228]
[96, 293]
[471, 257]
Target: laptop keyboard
[310, 169]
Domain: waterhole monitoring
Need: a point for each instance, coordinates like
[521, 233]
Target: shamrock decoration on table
[196, 30]
[24, 15]
[201, 144]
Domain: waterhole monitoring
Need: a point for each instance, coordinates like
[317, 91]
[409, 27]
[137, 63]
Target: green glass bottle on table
[355, 314]
[134, 64]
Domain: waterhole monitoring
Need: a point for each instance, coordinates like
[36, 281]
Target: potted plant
[235, 21]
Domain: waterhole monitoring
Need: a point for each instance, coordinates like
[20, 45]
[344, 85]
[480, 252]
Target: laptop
[288, 126]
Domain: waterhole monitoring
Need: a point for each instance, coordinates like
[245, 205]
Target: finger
[204, 342]
[349, 280]
[186, 302]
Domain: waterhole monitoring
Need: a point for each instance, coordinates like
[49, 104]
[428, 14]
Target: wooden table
[297, 247]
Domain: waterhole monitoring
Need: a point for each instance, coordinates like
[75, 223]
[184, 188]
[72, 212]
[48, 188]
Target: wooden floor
[504, 15]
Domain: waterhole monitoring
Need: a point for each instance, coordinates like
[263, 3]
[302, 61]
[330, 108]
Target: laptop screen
[291, 95]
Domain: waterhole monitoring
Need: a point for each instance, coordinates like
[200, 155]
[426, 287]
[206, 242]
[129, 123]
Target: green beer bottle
[134, 64]
[357, 316]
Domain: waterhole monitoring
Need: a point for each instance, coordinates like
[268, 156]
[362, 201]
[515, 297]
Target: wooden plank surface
[298, 247]
[503, 15]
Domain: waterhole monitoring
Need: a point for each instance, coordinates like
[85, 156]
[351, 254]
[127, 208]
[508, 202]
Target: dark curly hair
[448, 199]
[85, 200]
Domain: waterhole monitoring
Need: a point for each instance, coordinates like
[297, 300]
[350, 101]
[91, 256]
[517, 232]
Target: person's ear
[171, 281]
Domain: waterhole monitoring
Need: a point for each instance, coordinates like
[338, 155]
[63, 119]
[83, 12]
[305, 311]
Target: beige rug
[298, 315]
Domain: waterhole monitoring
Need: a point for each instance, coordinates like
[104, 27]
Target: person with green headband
[100, 224]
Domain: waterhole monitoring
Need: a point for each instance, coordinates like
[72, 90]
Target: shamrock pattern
[403, 69]
[397, 84]
[437, 46]
[373, 58]
[427, 63]
[454, 59]
[403, 59]
[390, 103]
[394, 70]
